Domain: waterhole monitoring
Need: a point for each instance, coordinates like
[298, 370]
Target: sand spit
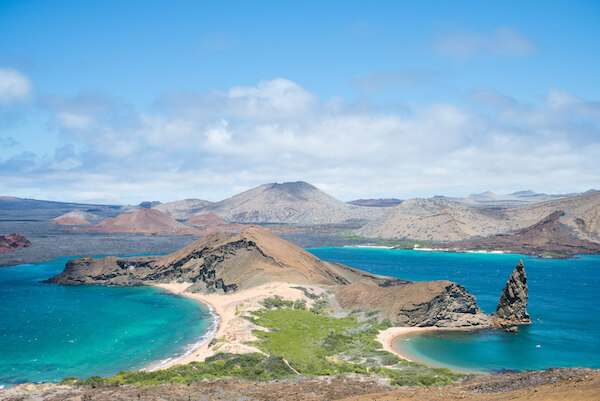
[233, 330]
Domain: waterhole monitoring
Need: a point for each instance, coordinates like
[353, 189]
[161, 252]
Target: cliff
[424, 303]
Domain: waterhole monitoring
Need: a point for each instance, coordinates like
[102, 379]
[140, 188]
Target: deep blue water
[48, 332]
[563, 304]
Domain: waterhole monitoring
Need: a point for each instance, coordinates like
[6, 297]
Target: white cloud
[213, 144]
[14, 86]
[503, 41]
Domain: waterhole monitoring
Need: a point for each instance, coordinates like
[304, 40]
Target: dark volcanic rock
[423, 303]
[219, 262]
[512, 308]
[10, 242]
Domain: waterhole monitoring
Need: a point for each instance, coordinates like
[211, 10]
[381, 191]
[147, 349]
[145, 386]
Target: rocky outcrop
[425, 303]
[512, 308]
[220, 262]
[8, 243]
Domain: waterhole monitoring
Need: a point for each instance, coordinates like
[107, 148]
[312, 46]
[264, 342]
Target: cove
[562, 294]
[49, 332]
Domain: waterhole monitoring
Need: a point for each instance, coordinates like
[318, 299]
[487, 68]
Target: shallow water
[48, 332]
[562, 303]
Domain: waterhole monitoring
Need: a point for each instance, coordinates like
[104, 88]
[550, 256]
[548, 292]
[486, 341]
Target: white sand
[233, 331]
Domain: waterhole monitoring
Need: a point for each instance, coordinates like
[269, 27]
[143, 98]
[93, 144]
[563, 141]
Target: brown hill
[144, 221]
[423, 303]
[290, 202]
[8, 243]
[443, 220]
[547, 235]
[206, 220]
[218, 262]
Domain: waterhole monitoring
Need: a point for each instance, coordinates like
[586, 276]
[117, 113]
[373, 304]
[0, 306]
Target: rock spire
[512, 308]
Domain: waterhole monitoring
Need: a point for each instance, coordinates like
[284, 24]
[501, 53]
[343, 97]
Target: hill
[183, 209]
[442, 220]
[434, 220]
[144, 221]
[546, 236]
[290, 202]
[76, 218]
[206, 220]
[218, 262]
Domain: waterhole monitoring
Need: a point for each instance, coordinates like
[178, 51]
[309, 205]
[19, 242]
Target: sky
[120, 102]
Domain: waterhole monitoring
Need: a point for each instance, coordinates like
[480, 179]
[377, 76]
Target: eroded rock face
[219, 262]
[512, 308]
[424, 303]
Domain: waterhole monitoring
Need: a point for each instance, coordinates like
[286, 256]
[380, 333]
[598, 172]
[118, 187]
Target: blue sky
[128, 101]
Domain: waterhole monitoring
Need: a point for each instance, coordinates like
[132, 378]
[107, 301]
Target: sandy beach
[387, 337]
[233, 331]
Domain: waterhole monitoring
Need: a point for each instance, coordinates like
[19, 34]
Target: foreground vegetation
[299, 342]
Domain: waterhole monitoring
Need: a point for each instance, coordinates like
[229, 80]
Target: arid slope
[144, 221]
[291, 202]
[219, 262]
[442, 220]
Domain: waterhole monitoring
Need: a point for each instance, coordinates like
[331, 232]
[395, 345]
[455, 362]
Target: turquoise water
[48, 332]
[563, 304]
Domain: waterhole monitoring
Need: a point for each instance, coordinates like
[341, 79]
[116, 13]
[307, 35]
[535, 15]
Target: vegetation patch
[317, 345]
[298, 342]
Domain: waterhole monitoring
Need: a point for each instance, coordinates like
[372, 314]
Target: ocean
[563, 306]
[49, 332]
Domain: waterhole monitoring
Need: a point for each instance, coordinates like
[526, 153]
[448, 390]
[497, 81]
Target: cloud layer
[212, 145]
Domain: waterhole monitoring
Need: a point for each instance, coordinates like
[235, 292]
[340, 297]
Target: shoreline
[388, 336]
[192, 347]
[231, 330]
